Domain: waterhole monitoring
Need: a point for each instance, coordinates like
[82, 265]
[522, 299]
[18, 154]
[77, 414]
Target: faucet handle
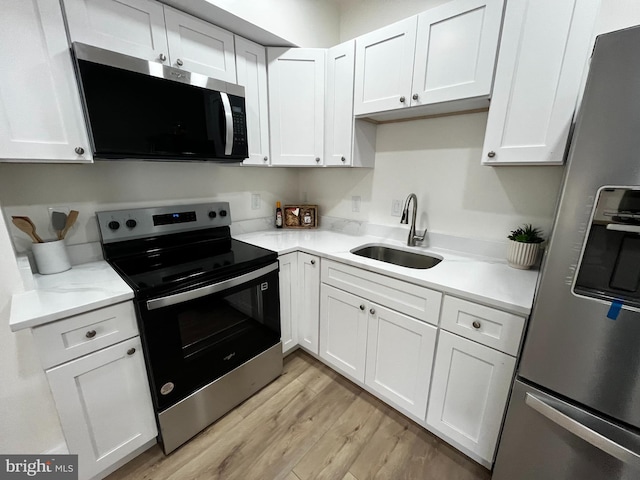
[420, 238]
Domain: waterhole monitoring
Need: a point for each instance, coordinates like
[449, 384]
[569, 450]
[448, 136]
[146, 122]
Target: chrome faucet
[413, 238]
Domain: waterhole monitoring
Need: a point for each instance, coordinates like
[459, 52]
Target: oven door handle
[209, 289]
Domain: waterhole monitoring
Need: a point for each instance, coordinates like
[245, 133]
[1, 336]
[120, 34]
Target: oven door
[195, 337]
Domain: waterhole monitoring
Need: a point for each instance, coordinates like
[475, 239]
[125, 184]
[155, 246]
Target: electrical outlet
[355, 203]
[396, 208]
[255, 201]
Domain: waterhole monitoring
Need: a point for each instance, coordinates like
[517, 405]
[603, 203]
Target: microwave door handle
[582, 431]
[228, 116]
[209, 289]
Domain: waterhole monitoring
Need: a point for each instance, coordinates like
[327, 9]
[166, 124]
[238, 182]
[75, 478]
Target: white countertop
[82, 288]
[486, 280]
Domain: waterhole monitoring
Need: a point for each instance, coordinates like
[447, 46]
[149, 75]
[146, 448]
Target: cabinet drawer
[418, 302]
[64, 340]
[493, 328]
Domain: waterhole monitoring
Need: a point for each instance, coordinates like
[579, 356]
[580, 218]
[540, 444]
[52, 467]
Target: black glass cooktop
[176, 268]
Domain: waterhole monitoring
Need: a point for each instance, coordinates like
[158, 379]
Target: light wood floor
[310, 423]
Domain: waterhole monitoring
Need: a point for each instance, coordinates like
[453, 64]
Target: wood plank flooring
[310, 423]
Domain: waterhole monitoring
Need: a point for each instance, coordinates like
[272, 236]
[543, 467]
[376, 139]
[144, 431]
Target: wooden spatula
[26, 225]
[71, 219]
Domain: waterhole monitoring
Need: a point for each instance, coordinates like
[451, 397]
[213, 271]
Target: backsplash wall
[438, 159]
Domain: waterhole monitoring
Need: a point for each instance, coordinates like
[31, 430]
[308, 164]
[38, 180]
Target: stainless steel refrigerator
[574, 413]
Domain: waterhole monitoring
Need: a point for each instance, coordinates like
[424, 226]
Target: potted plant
[524, 244]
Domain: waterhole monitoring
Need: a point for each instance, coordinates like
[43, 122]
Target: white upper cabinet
[339, 105]
[296, 106]
[200, 47]
[544, 48]
[445, 54]
[40, 111]
[147, 29]
[456, 50]
[251, 68]
[384, 66]
[131, 27]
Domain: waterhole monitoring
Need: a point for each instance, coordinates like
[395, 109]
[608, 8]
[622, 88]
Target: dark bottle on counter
[278, 215]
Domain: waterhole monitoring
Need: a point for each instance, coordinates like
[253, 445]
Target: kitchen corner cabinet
[349, 142]
[543, 52]
[296, 106]
[251, 66]
[446, 53]
[149, 30]
[299, 301]
[40, 111]
[96, 371]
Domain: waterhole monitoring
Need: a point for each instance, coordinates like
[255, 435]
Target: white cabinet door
[296, 106]
[308, 301]
[384, 67]
[251, 66]
[456, 48]
[288, 298]
[400, 353]
[339, 105]
[40, 113]
[469, 391]
[198, 46]
[131, 27]
[104, 405]
[544, 48]
[343, 331]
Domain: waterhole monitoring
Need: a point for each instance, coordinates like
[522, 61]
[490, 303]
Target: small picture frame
[301, 216]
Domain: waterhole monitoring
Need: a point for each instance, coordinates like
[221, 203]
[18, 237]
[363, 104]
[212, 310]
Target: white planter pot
[522, 255]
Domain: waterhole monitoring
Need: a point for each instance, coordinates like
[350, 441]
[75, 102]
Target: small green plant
[526, 234]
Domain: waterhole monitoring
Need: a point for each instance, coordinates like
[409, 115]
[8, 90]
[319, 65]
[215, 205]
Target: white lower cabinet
[299, 301]
[399, 358]
[104, 404]
[389, 352]
[343, 331]
[469, 392]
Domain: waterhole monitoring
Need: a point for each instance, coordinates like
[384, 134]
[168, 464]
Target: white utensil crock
[51, 257]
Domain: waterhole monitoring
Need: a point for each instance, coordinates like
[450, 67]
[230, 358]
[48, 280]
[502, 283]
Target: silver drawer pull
[90, 334]
[131, 351]
[476, 324]
[372, 311]
[361, 307]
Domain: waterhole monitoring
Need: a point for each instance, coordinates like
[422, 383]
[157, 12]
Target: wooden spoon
[26, 225]
[71, 219]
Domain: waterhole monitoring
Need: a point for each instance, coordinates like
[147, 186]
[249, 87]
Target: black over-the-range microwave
[138, 109]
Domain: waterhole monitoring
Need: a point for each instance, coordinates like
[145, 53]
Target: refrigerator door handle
[585, 433]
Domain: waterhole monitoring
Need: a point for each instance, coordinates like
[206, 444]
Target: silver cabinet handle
[342, 159]
[90, 334]
[228, 117]
[476, 324]
[313, 262]
[179, 62]
[582, 431]
[317, 159]
[402, 99]
[131, 351]
[372, 311]
[162, 57]
[266, 159]
[491, 154]
[415, 96]
[361, 307]
[209, 289]
[79, 150]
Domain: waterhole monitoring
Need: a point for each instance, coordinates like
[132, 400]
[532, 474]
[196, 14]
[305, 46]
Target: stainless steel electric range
[208, 310]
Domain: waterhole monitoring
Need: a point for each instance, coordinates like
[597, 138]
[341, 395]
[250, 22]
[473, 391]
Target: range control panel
[119, 225]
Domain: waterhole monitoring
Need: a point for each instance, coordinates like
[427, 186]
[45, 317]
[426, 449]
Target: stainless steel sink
[396, 256]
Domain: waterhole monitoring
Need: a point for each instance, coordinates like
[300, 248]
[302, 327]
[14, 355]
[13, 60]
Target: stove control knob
[131, 223]
[113, 225]
[212, 214]
[223, 213]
